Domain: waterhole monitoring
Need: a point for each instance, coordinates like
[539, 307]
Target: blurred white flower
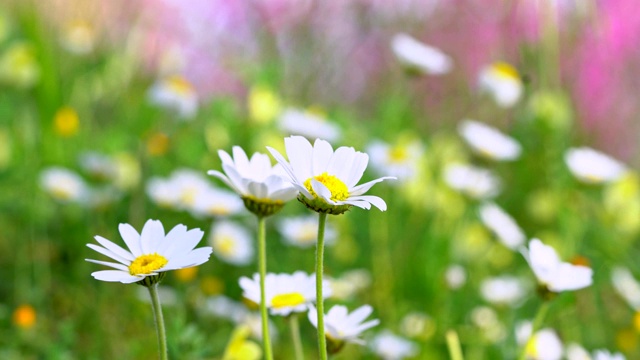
[576, 352]
[175, 93]
[555, 275]
[302, 231]
[502, 290]
[217, 203]
[486, 319]
[503, 82]
[420, 57]
[98, 166]
[543, 345]
[231, 243]
[64, 185]
[489, 142]
[350, 284]
[342, 326]
[400, 160]
[592, 166]
[308, 124]
[626, 286]
[455, 276]
[417, 324]
[225, 308]
[606, 355]
[502, 224]
[392, 347]
[179, 191]
[78, 37]
[473, 181]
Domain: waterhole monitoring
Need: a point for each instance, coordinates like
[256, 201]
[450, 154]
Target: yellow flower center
[225, 245]
[188, 196]
[146, 264]
[219, 210]
[531, 348]
[339, 190]
[398, 154]
[505, 70]
[288, 299]
[66, 122]
[179, 84]
[61, 193]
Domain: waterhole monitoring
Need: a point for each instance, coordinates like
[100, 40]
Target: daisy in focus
[284, 293]
[593, 167]
[342, 327]
[401, 160]
[175, 93]
[420, 57]
[327, 179]
[392, 347]
[552, 274]
[503, 225]
[489, 142]
[308, 124]
[301, 231]
[150, 254]
[231, 243]
[502, 81]
[475, 182]
[64, 185]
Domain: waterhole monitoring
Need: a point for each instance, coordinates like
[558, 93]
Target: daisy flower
[179, 191]
[392, 347]
[308, 124]
[576, 352]
[455, 276]
[503, 225]
[231, 243]
[342, 327]
[79, 38]
[150, 254]
[592, 166]
[284, 293]
[400, 160]
[214, 202]
[64, 185]
[606, 355]
[261, 186]
[175, 93]
[543, 345]
[488, 141]
[626, 286]
[475, 182]
[350, 284]
[420, 57]
[98, 166]
[552, 274]
[506, 290]
[327, 179]
[301, 231]
[503, 82]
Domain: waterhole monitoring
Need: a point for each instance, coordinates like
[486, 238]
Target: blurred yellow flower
[211, 285]
[24, 316]
[158, 144]
[627, 340]
[240, 347]
[18, 65]
[186, 274]
[264, 105]
[66, 122]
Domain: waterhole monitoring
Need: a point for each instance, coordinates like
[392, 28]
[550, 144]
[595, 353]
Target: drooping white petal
[363, 188]
[374, 200]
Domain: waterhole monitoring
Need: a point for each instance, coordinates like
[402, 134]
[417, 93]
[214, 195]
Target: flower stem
[453, 344]
[295, 336]
[537, 323]
[159, 321]
[322, 341]
[262, 265]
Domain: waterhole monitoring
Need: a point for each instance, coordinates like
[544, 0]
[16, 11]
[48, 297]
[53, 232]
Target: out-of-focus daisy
[308, 124]
[503, 82]
[98, 166]
[543, 345]
[150, 254]
[284, 293]
[392, 347]
[502, 290]
[417, 325]
[473, 181]
[626, 286]
[216, 202]
[78, 37]
[263, 103]
[486, 319]
[231, 243]
[553, 274]
[503, 225]
[400, 160]
[64, 185]
[261, 186]
[455, 276]
[592, 166]
[225, 308]
[240, 347]
[104, 196]
[176, 93]
[350, 284]
[179, 191]
[327, 179]
[420, 57]
[342, 327]
[576, 352]
[606, 355]
[489, 142]
[18, 65]
[301, 231]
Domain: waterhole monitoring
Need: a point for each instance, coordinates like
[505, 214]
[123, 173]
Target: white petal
[322, 191]
[374, 200]
[363, 188]
[571, 277]
[258, 190]
[357, 169]
[284, 163]
[116, 276]
[107, 252]
[224, 179]
[341, 162]
[131, 238]
[322, 152]
[299, 151]
[122, 253]
[152, 234]
[109, 264]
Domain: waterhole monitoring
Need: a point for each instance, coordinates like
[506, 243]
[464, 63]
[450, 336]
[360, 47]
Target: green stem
[159, 320]
[453, 344]
[295, 336]
[537, 323]
[262, 265]
[322, 341]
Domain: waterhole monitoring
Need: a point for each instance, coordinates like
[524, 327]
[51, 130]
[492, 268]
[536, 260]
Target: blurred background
[113, 111]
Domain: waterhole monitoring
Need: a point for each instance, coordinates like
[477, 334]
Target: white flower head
[64, 185]
[400, 161]
[176, 93]
[216, 203]
[606, 355]
[79, 38]
[475, 182]
[150, 253]
[503, 290]
[308, 124]
[99, 166]
[302, 231]
[576, 352]
[231, 243]
[592, 166]
[455, 276]
[626, 286]
[340, 326]
[503, 225]
[260, 185]
[349, 284]
[327, 179]
[179, 191]
[223, 307]
[503, 82]
[420, 57]
[284, 293]
[543, 345]
[392, 347]
[489, 142]
[552, 273]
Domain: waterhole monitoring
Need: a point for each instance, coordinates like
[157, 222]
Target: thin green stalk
[262, 265]
[537, 323]
[453, 344]
[295, 336]
[159, 320]
[322, 341]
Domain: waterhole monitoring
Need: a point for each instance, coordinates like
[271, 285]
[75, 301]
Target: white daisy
[340, 326]
[543, 345]
[503, 225]
[175, 93]
[592, 166]
[284, 293]
[554, 275]
[400, 161]
[150, 254]
[503, 290]
[626, 286]
[473, 181]
[350, 284]
[179, 191]
[420, 57]
[606, 355]
[217, 203]
[392, 347]
[79, 38]
[308, 124]
[64, 185]
[576, 352]
[503, 82]
[231, 243]
[488, 141]
[455, 276]
[327, 179]
[302, 231]
[98, 166]
[223, 307]
[261, 186]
